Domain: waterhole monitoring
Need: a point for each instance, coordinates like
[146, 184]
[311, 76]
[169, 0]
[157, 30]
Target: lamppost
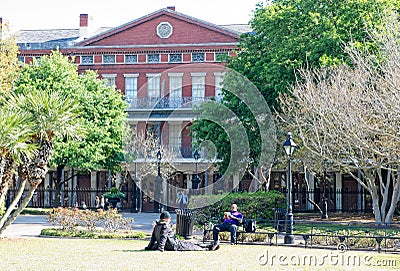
[158, 185]
[195, 180]
[289, 147]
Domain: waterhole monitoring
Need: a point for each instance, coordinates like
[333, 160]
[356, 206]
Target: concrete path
[28, 226]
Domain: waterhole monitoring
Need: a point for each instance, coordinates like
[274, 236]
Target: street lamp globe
[289, 145]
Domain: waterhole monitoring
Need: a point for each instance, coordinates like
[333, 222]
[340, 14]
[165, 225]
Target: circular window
[164, 30]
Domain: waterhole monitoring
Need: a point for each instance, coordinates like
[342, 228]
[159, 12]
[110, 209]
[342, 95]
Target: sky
[50, 14]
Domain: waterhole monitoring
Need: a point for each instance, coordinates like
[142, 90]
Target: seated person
[231, 222]
[163, 238]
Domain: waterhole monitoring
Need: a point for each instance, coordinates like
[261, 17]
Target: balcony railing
[166, 102]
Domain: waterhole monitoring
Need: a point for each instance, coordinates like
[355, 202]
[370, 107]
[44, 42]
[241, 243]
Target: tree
[51, 115]
[15, 131]
[287, 35]
[348, 118]
[103, 113]
[9, 65]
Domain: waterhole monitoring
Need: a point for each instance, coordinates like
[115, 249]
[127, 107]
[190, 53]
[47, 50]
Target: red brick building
[164, 63]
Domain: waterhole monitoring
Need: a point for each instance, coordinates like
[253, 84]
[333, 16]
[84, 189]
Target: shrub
[71, 219]
[258, 205]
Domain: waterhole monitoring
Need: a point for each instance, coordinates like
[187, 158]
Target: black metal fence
[77, 197]
[338, 200]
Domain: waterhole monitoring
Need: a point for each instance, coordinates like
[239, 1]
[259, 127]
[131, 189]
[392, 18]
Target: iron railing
[166, 102]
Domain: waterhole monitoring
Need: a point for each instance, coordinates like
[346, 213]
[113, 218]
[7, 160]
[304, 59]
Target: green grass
[111, 254]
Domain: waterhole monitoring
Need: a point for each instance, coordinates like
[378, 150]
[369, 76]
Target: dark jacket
[162, 237]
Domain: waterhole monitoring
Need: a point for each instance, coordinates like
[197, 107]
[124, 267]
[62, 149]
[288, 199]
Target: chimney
[85, 26]
[171, 8]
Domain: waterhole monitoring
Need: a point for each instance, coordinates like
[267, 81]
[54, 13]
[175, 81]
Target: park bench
[242, 232]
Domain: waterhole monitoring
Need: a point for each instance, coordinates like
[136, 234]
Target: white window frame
[219, 77]
[130, 62]
[87, 63]
[175, 89]
[198, 85]
[169, 58]
[175, 136]
[131, 80]
[195, 60]
[147, 58]
[108, 63]
[110, 79]
[153, 85]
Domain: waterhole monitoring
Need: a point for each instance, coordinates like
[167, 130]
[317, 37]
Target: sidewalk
[29, 226]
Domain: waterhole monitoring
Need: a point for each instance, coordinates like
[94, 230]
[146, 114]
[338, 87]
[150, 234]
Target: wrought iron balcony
[166, 102]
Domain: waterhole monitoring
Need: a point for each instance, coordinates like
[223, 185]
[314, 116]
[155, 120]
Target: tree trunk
[375, 205]
[4, 222]
[5, 178]
[395, 199]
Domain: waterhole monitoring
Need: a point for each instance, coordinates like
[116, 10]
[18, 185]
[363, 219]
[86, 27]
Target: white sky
[50, 14]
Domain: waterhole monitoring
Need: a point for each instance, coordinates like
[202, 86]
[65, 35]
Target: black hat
[165, 215]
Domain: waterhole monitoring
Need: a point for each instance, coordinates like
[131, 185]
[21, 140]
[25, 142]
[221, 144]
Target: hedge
[258, 205]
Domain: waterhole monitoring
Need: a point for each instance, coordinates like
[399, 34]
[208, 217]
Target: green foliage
[258, 205]
[288, 35]
[102, 111]
[114, 193]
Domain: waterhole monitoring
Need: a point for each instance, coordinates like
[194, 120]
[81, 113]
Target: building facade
[165, 63]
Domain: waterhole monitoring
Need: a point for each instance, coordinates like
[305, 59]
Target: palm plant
[15, 131]
[50, 114]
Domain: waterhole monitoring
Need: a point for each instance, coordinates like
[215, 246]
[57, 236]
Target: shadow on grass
[133, 250]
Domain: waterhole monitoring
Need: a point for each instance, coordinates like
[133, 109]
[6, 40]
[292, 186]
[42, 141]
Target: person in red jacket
[163, 238]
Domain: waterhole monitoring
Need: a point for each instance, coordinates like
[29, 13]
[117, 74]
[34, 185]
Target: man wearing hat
[163, 238]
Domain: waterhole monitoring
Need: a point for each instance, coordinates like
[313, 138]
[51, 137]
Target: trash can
[184, 223]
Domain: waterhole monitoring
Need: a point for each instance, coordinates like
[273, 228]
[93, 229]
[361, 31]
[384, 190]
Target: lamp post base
[289, 239]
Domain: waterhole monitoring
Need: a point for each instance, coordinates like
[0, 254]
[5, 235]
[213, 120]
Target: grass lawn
[112, 254]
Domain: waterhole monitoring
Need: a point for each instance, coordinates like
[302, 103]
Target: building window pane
[21, 59]
[109, 59]
[86, 59]
[131, 59]
[198, 87]
[130, 88]
[153, 86]
[175, 136]
[198, 57]
[153, 58]
[175, 91]
[219, 77]
[175, 58]
[109, 79]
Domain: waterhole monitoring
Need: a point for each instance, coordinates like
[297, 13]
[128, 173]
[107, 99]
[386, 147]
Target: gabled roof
[47, 35]
[169, 12]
